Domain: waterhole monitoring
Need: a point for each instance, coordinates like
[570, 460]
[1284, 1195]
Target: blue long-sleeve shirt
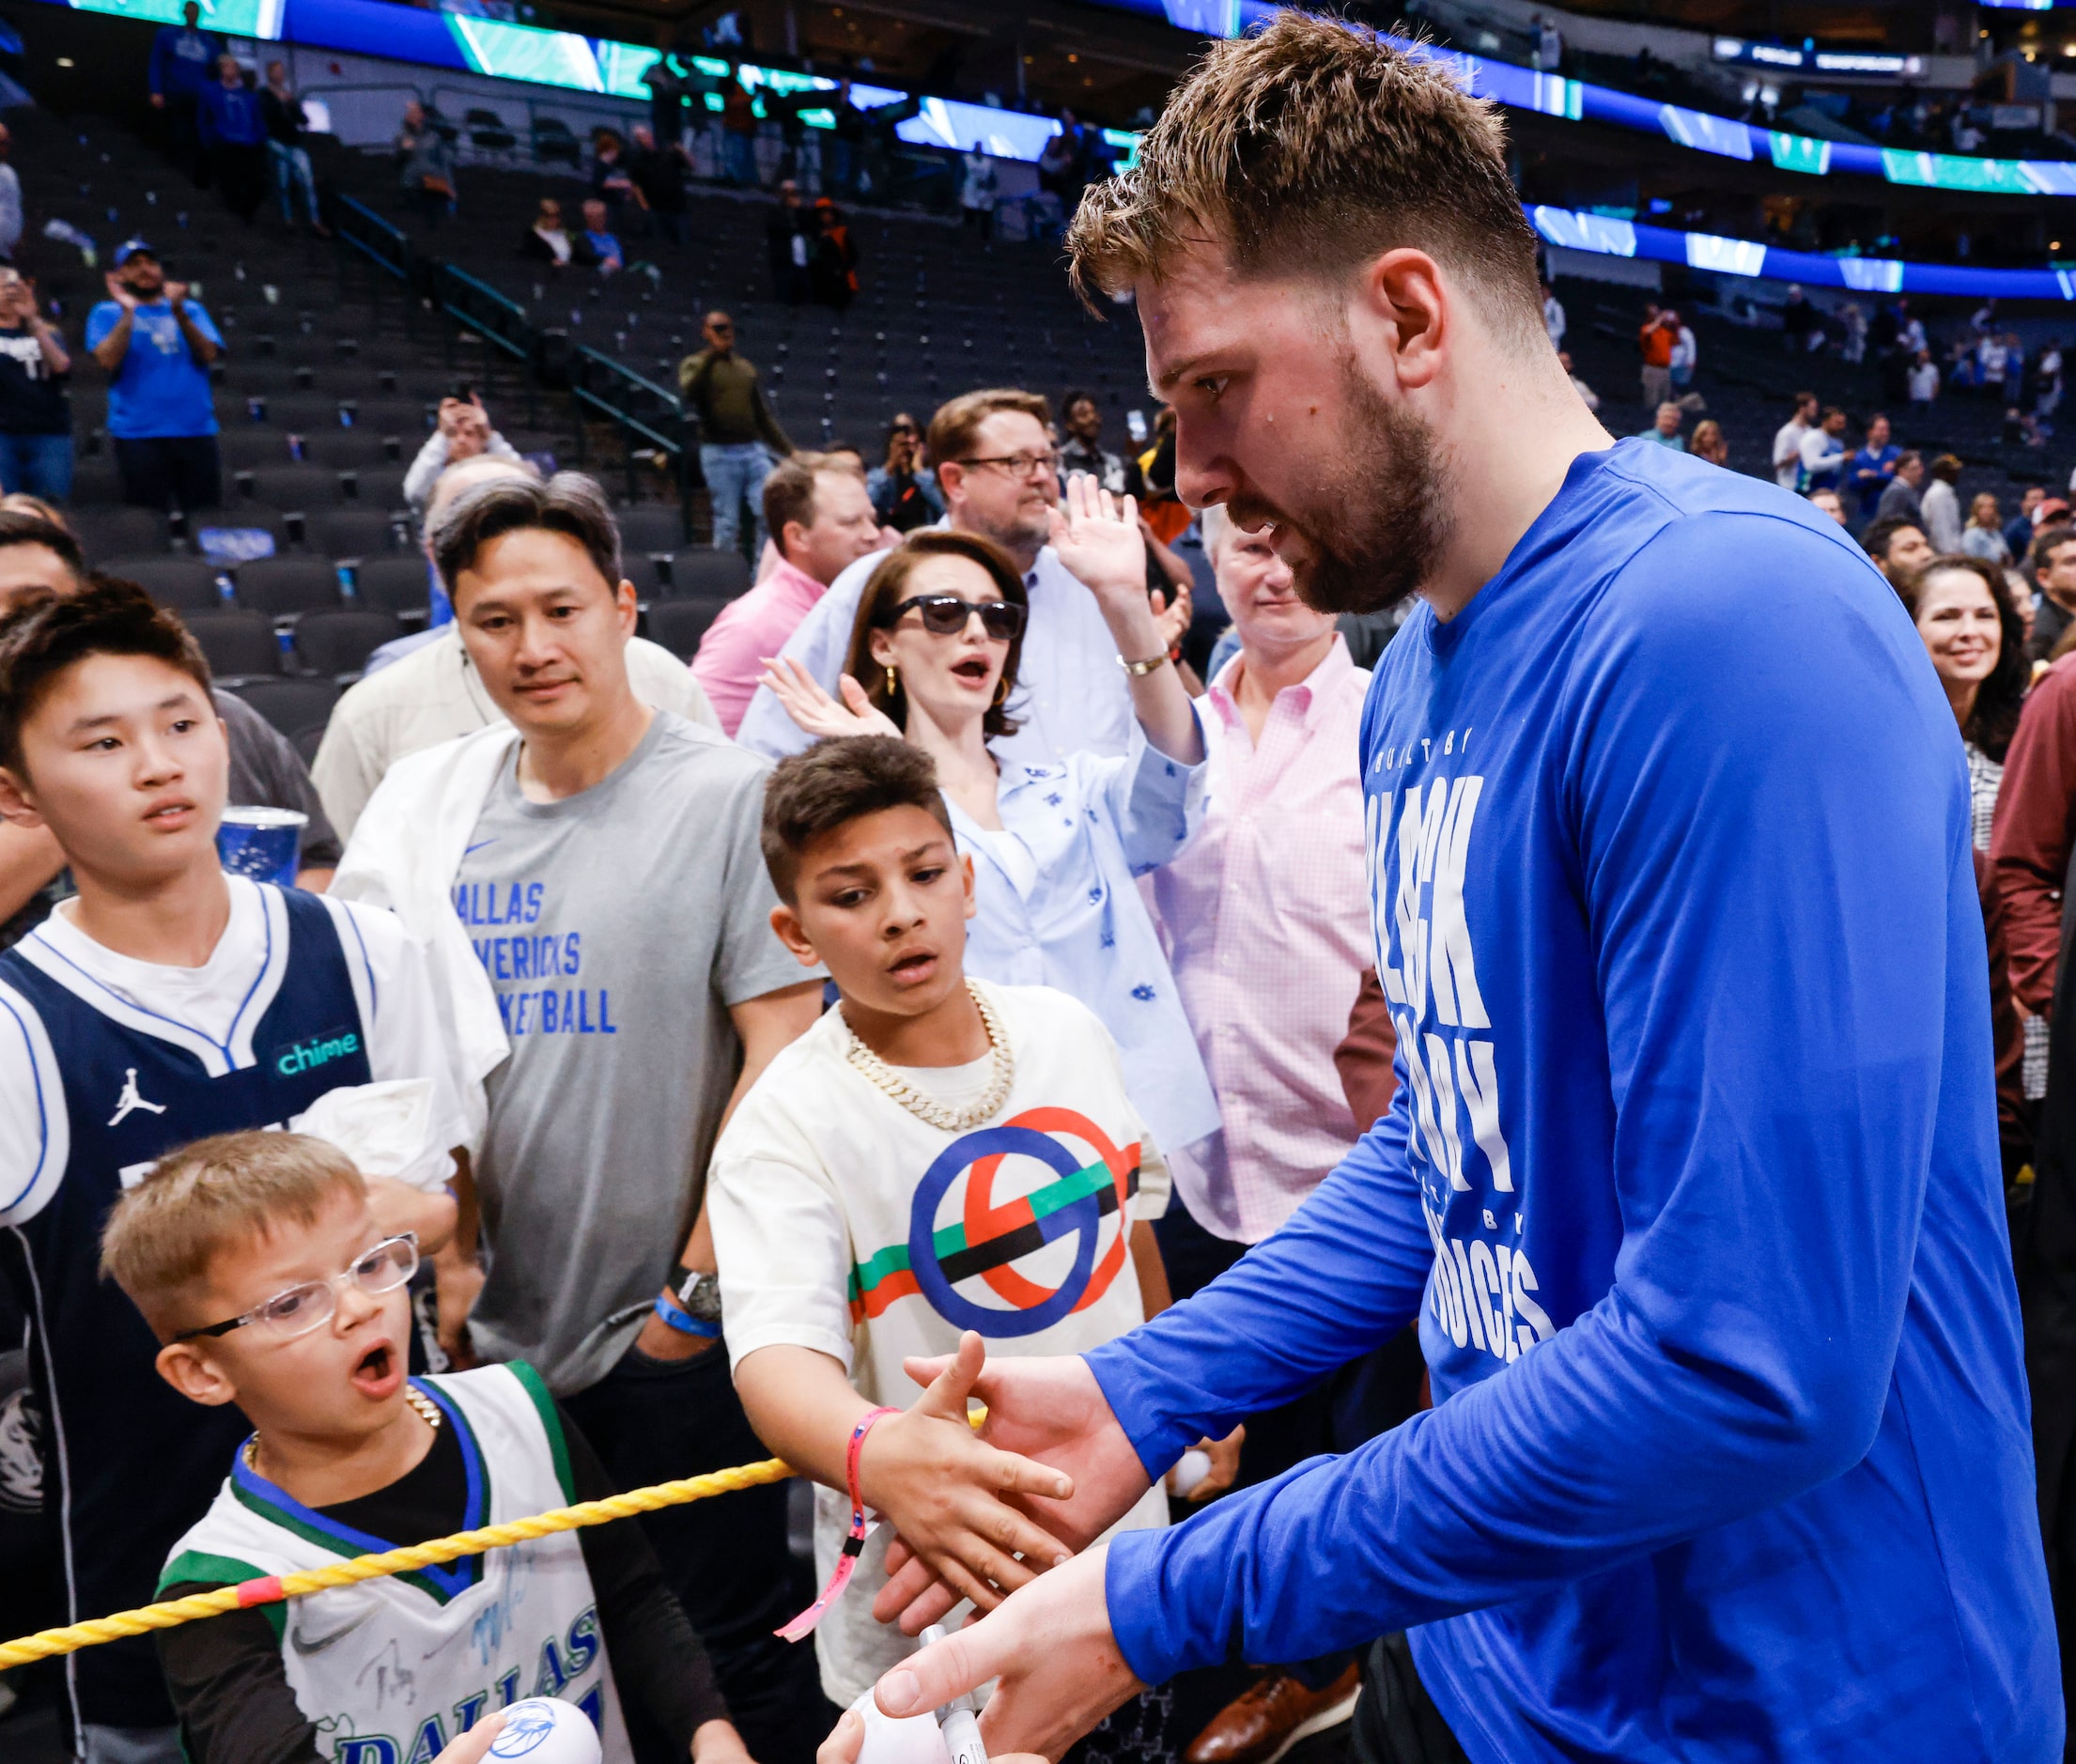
[183, 61]
[230, 113]
[1691, 1179]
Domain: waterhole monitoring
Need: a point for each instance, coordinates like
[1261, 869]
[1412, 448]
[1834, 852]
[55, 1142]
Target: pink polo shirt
[729, 660]
[1266, 917]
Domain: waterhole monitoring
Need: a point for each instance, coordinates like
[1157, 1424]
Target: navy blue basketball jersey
[128, 1463]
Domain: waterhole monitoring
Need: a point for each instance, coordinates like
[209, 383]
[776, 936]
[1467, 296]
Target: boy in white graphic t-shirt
[935, 1165]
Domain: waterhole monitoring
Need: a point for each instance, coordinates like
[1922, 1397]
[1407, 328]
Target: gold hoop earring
[1001, 688]
[894, 685]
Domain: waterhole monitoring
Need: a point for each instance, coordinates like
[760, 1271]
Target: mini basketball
[547, 1730]
[889, 1739]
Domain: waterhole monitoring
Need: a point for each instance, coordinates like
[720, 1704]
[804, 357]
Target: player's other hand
[1048, 1410]
[718, 1742]
[948, 1492]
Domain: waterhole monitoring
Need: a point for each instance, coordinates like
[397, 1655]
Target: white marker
[957, 1720]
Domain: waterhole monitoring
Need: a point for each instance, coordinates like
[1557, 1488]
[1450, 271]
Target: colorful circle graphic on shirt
[990, 1238]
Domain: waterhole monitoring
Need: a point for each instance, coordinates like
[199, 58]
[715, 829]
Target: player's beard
[1371, 533]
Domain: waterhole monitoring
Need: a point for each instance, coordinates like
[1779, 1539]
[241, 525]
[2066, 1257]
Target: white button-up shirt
[1060, 906]
[1071, 695]
[1266, 917]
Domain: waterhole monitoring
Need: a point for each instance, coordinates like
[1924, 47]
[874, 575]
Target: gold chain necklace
[927, 1108]
[428, 1412]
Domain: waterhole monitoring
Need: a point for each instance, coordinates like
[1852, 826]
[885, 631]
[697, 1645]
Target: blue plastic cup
[262, 843]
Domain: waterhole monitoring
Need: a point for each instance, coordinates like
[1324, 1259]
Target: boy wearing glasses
[257, 1261]
[168, 1001]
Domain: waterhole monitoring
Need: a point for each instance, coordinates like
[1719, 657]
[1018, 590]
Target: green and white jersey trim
[390, 1670]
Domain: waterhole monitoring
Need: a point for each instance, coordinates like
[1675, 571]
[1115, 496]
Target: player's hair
[835, 783]
[209, 1196]
[48, 632]
[19, 525]
[958, 420]
[1310, 149]
[888, 586]
[1875, 541]
[568, 504]
[789, 490]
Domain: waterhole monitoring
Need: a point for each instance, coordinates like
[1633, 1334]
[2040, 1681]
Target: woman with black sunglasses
[1055, 848]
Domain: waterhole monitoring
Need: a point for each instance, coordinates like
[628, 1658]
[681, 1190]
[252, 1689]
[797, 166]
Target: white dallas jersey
[390, 1670]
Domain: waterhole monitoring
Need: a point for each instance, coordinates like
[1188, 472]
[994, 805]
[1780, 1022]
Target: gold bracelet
[1137, 670]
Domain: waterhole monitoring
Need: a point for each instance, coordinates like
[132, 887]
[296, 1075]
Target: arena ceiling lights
[1578, 101]
[1610, 236]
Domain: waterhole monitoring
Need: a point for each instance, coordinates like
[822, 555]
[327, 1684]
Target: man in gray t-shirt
[617, 925]
[614, 892]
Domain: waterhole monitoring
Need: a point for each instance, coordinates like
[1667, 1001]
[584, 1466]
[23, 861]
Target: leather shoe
[1271, 1716]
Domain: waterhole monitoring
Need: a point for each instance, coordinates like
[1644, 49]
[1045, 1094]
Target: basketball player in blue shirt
[167, 1002]
[1691, 1181]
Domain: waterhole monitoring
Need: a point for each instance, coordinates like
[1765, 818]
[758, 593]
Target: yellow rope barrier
[274, 1588]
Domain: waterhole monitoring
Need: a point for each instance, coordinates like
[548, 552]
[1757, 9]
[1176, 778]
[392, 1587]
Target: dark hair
[2046, 542]
[1876, 538]
[568, 504]
[1308, 148]
[834, 783]
[789, 492]
[20, 527]
[886, 588]
[902, 420]
[1908, 453]
[1829, 411]
[49, 632]
[1805, 397]
[1068, 401]
[1948, 468]
[1995, 717]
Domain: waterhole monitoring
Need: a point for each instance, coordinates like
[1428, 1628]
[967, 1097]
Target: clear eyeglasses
[315, 1303]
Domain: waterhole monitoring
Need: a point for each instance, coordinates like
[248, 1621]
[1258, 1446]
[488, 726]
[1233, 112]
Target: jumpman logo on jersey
[129, 1102]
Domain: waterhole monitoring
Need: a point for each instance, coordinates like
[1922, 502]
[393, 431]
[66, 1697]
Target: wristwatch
[698, 1295]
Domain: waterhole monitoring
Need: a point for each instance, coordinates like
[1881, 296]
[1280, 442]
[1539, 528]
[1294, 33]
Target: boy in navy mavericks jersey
[167, 1002]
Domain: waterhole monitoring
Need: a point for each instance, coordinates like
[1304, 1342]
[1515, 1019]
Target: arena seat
[283, 587]
[235, 644]
[338, 643]
[679, 624]
[183, 583]
[699, 572]
[289, 704]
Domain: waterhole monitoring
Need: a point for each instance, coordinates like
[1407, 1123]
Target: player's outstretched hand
[1051, 1647]
[948, 1492]
[1050, 1411]
[475, 1745]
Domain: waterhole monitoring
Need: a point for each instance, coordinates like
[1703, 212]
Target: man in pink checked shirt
[821, 520]
[1267, 919]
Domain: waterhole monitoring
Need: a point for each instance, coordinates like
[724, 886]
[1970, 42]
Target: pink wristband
[854, 1540]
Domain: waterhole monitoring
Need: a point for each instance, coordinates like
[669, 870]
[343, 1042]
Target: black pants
[726, 1559]
[241, 175]
[1396, 1721]
[183, 470]
[1367, 1397]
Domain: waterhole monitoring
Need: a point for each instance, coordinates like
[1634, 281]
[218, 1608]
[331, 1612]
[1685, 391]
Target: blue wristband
[683, 1321]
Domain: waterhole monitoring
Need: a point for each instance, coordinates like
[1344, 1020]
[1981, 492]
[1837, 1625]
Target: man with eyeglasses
[739, 437]
[166, 1003]
[1000, 473]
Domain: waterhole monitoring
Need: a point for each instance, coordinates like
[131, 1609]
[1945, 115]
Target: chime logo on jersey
[1072, 1180]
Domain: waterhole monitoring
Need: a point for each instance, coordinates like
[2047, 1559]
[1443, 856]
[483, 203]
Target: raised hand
[119, 292]
[1097, 535]
[817, 713]
[1172, 617]
[176, 294]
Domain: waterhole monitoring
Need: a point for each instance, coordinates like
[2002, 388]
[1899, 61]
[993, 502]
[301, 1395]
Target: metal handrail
[664, 428]
[353, 214]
